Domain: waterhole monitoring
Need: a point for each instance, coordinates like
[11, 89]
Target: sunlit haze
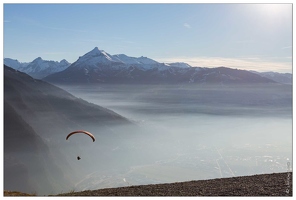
[244, 36]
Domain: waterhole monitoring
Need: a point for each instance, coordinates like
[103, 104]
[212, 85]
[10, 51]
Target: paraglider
[81, 131]
[84, 132]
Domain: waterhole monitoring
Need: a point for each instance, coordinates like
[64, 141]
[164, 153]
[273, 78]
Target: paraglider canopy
[81, 131]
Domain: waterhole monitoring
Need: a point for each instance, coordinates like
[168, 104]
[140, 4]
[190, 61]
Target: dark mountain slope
[173, 75]
[18, 136]
[39, 102]
[38, 116]
[28, 163]
[228, 75]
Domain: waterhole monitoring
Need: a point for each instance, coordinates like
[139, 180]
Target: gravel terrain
[277, 184]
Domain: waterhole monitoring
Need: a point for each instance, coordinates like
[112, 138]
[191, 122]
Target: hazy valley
[192, 133]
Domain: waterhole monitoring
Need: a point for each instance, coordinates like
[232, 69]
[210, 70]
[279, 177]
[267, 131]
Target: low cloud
[256, 64]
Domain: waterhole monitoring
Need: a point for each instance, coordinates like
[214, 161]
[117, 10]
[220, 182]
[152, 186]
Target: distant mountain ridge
[38, 68]
[98, 66]
[285, 78]
[15, 64]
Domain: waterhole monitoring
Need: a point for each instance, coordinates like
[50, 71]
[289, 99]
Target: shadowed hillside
[37, 118]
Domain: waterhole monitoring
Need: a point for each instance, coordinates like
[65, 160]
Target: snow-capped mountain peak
[64, 62]
[39, 59]
[14, 63]
[38, 68]
[95, 57]
[94, 52]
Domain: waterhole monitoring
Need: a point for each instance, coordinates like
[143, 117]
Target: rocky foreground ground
[277, 184]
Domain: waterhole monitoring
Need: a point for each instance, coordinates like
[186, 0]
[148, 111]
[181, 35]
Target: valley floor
[276, 184]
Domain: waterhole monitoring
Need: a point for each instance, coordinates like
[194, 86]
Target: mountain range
[38, 68]
[98, 66]
[285, 78]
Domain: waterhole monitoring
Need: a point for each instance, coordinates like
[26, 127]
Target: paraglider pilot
[84, 132]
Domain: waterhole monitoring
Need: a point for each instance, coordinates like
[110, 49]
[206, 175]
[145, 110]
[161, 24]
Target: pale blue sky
[246, 36]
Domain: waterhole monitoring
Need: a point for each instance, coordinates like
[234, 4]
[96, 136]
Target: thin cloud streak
[244, 41]
[63, 29]
[256, 64]
[93, 40]
[186, 25]
[287, 47]
[55, 53]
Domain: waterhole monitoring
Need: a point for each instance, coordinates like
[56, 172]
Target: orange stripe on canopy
[81, 131]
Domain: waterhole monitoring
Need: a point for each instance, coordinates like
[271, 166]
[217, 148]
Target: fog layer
[186, 133]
